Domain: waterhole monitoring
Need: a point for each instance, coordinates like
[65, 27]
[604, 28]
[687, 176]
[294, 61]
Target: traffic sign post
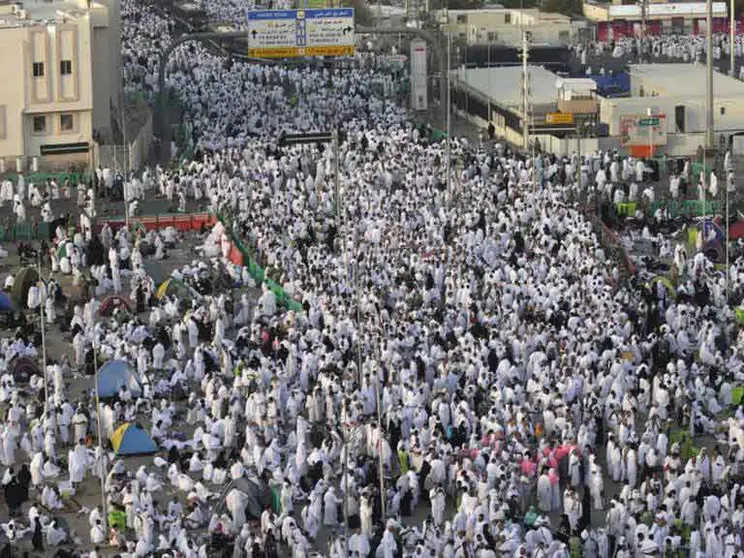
[292, 33]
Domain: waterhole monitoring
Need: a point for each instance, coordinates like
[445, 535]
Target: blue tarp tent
[115, 374]
[131, 439]
[5, 304]
[616, 85]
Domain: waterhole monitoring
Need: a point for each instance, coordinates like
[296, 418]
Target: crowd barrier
[626, 209]
[24, 232]
[179, 221]
[42, 177]
[689, 208]
[240, 255]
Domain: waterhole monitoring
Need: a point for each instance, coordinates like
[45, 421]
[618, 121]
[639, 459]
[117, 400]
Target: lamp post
[650, 115]
[101, 449]
[42, 301]
[732, 39]
[709, 74]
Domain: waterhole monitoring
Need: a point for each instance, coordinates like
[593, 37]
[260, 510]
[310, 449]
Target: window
[65, 67]
[563, 36]
[679, 118]
[507, 18]
[463, 18]
[39, 124]
[38, 69]
[491, 36]
[723, 111]
[66, 122]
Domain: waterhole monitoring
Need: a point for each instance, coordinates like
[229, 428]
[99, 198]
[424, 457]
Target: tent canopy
[736, 230]
[23, 368]
[131, 439]
[173, 287]
[705, 226]
[6, 305]
[112, 303]
[666, 282]
[115, 374]
[21, 284]
[246, 498]
[156, 270]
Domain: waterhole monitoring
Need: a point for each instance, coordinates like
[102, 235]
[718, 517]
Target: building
[617, 19]
[656, 87]
[505, 26]
[62, 68]
[495, 96]
[664, 114]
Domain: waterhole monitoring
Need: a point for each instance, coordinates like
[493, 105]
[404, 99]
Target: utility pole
[101, 445]
[448, 141]
[732, 39]
[525, 93]
[644, 17]
[709, 74]
[42, 302]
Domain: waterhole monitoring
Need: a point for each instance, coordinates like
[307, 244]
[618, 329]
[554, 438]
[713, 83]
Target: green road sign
[648, 122]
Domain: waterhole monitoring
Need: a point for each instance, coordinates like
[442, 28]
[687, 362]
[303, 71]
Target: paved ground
[59, 343]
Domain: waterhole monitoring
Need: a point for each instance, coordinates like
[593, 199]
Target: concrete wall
[12, 47]
[136, 155]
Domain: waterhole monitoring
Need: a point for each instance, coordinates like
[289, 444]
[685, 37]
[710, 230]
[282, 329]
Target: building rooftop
[534, 13]
[27, 13]
[688, 80]
[504, 85]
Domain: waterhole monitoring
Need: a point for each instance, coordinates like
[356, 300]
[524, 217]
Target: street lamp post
[101, 447]
[732, 39]
[709, 74]
[42, 301]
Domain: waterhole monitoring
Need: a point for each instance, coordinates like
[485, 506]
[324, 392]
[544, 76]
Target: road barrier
[688, 208]
[179, 221]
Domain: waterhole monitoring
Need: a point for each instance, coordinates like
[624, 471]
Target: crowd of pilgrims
[474, 342]
[660, 48]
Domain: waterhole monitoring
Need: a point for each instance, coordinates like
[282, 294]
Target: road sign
[559, 118]
[291, 33]
[653, 121]
[642, 130]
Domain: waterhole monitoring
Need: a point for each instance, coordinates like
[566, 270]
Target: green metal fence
[689, 208]
[42, 177]
[256, 271]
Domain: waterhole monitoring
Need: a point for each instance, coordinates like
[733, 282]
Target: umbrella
[22, 283]
[23, 368]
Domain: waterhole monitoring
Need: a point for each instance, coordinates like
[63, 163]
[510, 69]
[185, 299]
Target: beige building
[678, 91]
[61, 66]
[504, 26]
